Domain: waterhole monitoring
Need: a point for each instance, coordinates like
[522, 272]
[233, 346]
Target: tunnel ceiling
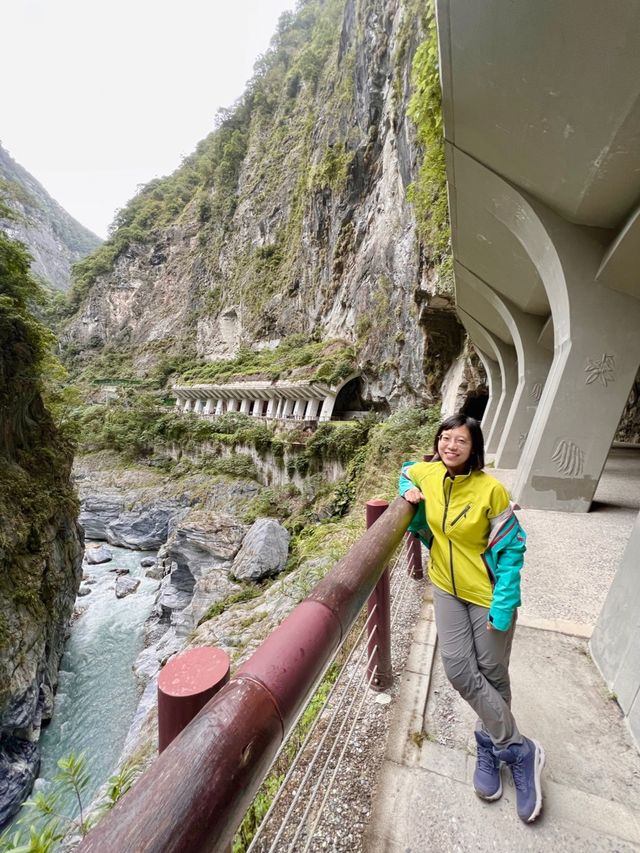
[527, 104]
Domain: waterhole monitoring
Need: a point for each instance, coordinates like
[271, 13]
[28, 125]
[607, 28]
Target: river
[97, 693]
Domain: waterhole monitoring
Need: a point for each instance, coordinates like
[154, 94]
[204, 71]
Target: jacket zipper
[460, 515]
[444, 524]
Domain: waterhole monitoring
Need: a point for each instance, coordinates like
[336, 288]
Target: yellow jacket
[462, 514]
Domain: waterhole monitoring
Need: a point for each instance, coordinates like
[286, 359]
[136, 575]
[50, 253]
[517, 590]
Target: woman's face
[454, 448]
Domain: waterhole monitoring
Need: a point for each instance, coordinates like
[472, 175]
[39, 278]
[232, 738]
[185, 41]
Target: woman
[476, 553]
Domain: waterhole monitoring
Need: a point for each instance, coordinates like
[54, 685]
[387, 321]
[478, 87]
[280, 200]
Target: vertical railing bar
[328, 758]
[283, 745]
[335, 770]
[325, 734]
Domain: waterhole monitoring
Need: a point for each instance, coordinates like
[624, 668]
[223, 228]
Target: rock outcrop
[199, 556]
[40, 542]
[144, 527]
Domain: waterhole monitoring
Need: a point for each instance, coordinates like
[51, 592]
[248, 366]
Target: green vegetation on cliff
[35, 452]
[295, 358]
[429, 191]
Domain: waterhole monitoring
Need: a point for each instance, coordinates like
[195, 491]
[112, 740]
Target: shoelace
[487, 762]
[518, 773]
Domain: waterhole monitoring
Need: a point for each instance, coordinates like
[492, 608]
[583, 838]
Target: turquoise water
[97, 693]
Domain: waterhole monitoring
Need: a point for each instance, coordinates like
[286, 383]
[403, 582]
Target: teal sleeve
[405, 482]
[506, 592]
[419, 525]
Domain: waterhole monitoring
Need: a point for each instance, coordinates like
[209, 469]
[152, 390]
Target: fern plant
[44, 824]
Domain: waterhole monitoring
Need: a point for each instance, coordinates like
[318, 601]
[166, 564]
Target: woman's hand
[414, 496]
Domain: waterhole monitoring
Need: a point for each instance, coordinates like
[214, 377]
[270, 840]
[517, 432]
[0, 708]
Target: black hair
[476, 459]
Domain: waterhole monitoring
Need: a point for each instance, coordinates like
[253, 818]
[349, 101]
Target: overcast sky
[99, 96]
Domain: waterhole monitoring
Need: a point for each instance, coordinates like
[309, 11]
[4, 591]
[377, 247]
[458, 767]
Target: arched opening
[349, 402]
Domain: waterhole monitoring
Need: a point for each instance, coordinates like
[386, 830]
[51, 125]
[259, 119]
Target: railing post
[379, 604]
[185, 685]
[414, 554]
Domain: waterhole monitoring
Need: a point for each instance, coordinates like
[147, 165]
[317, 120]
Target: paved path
[591, 781]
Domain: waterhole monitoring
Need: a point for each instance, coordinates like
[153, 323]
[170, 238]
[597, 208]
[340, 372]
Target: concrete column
[188, 404]
[506, 358]
[210, 406]
[298, 411]
[272, 407]
[219, 408]
[597, 351]
[180, 403]
[327, 407]
[288, 408]
[199, 407]
[494, 380]
[245, 405]
[233, 405]
[615, 644]
[313, 409]
[533, 360]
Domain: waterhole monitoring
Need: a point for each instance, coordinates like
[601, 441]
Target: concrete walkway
[591, 781]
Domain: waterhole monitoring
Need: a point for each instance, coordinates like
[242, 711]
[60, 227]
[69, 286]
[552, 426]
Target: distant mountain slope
[54, 238]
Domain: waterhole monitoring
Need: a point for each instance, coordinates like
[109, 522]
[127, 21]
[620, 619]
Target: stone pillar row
[277, 408]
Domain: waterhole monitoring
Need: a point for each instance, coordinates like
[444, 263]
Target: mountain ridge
[55, 239]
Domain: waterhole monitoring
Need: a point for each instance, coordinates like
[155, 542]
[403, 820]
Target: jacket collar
[459, 478]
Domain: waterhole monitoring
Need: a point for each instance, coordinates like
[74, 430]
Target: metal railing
[317, 772]
[195, 794]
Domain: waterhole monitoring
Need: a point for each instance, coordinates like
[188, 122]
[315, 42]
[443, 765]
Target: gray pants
[476, 662]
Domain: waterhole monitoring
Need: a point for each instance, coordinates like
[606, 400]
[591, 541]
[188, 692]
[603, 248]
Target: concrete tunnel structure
[541, 109]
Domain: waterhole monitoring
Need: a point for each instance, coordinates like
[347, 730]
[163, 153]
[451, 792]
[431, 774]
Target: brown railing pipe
[194, 795]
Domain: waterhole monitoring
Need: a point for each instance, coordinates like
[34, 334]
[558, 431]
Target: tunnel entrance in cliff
[474, 405]
[350, 403]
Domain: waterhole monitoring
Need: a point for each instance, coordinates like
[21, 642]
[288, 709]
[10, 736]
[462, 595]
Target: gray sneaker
[526, 761]
[486, 777]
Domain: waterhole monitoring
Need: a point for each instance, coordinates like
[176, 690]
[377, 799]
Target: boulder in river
[264, 551]
[98, 511]
[100, 554]
[156, 571]
[125, 586]
[84, 590]
[199, 552]
[143, 528]
[147, 562]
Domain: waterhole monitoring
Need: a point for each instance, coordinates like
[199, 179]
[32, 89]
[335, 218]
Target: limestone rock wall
[317, 236]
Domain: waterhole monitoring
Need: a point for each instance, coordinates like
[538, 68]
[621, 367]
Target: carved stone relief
[569, 458]
[601, 370]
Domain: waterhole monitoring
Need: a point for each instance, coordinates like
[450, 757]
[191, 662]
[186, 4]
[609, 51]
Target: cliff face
[40, 541]
[291, 217]
[55, 239]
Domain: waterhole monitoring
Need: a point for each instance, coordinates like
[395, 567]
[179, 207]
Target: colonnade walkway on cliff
[591, 782]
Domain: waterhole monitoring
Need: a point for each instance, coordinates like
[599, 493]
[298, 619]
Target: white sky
[100, 96]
